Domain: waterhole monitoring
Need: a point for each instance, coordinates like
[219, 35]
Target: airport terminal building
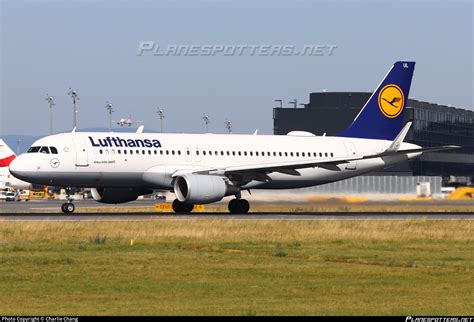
[433, 125]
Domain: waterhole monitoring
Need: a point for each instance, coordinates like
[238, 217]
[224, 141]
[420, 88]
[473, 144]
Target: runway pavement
[227, 216]
[49, 210]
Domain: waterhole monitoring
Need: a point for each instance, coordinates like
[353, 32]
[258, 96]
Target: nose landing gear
[68, 207]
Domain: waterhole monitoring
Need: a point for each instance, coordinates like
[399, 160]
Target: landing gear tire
[239, 206]
[181, 207]
[68, 207]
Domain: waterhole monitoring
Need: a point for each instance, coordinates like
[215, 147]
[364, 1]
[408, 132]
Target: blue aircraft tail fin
[382, 116]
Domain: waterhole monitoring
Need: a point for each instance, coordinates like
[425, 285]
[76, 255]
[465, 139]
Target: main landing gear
[239, 206]
[236, 206]
[181, 207]
[68, 207]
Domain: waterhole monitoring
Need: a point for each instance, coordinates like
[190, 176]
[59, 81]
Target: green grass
[216, 267]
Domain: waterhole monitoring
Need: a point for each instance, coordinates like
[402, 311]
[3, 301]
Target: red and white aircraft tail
[6, 154]
[7, 180]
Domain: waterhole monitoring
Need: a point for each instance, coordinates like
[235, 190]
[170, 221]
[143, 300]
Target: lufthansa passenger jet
[205, 168]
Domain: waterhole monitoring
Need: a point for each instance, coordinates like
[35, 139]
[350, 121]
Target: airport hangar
[433, 125]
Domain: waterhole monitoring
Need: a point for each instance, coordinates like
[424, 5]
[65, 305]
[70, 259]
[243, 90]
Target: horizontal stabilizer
[387, 153]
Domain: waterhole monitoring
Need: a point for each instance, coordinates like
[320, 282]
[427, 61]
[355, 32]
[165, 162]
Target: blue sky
[48, 46]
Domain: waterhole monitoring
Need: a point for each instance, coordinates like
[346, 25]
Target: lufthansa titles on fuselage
[125, 143]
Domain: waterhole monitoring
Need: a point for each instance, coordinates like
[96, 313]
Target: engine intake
[116, 195]
[202, 189]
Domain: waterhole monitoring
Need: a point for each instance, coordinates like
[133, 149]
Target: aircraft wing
[291, 167]
[284, 167]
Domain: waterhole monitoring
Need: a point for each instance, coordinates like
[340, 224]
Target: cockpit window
[33, 149]
[44, 149]
[53, 150]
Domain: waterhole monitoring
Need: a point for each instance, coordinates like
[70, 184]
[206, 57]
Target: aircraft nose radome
[19, 166]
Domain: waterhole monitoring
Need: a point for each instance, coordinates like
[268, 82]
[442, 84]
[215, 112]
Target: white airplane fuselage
[205, 168]
[92, 160]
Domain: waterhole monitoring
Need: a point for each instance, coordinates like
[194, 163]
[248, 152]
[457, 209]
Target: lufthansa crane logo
[391, 100]
[54, 163]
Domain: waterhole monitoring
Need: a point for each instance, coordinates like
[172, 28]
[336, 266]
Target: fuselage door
[80, 146]
[351, 152]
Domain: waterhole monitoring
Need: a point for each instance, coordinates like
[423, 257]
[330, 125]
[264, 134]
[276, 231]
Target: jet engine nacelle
[202, 189]
[116, 195]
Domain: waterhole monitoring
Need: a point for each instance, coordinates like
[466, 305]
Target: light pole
[161, 114]
[18, 146]
[228, 126]
[73, 94]
[206, 120]
[295, 102]
[281, 103]
[108, 107]
[50, 100]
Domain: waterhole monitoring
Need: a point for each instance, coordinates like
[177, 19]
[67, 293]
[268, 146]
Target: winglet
[73, 130]
[140, 129]
[399, 139]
